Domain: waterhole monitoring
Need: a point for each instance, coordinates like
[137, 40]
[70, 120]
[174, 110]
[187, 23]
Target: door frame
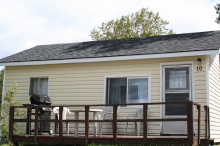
[161, 84]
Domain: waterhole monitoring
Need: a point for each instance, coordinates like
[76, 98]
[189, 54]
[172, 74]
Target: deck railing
[190, 120]
[207, 122]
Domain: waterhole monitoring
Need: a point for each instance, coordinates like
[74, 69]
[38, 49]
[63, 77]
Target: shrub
[4, 117]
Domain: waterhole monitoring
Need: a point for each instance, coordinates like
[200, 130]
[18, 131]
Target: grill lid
[40, 99]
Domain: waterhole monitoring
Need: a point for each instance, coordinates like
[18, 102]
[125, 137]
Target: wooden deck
[87, 138]
[108, 139]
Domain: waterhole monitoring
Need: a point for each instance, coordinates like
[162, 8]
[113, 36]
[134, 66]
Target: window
[177, 88]
[38, 85]
[127, 89]
[177, 78]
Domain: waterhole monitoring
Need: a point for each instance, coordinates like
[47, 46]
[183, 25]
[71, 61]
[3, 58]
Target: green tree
[1, 83]
[140, 24]
[4, 116]
[217, 8]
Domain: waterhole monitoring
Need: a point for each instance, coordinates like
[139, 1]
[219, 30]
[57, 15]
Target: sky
[27, 23]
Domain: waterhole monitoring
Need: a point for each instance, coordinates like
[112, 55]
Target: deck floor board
[105, 139]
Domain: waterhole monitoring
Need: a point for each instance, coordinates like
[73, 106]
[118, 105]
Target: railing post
[208, 122]
[207, 128]
[145, 132]
[56, 123]
[205, 108]
[86, 125]
[190, 125]
[199, 122]
[11, 123]
[114, 123]
[61, 124]
[28, 124]
[36, 124]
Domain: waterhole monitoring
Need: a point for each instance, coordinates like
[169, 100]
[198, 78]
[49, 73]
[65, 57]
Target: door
[176, 88]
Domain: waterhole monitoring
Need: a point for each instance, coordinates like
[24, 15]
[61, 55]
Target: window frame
[38, 78]
[132, 76]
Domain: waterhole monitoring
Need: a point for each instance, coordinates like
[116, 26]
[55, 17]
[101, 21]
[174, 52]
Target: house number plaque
[199, 68]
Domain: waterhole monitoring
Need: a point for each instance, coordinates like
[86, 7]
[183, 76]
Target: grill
[45, 112]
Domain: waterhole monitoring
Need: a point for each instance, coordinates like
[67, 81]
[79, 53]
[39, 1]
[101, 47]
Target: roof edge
[132, 57]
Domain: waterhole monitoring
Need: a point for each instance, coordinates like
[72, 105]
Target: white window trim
[161, 83]
[128, 76]
[39, 77]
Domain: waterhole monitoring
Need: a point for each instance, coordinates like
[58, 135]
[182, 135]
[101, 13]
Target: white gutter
[182, 54]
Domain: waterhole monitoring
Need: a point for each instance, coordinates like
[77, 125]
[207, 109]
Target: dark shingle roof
[201, 41]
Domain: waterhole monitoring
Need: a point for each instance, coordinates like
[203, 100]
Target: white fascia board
[182, 54]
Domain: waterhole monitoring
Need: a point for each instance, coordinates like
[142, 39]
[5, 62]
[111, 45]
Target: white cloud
[25, 24]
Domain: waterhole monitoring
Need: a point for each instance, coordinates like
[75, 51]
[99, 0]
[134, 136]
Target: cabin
[157, 69]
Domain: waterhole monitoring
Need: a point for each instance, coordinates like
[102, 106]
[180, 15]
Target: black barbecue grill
[45, 112]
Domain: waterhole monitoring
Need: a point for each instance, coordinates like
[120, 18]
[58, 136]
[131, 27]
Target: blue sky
[27, 23]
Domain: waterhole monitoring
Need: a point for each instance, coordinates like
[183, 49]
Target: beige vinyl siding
[214, 96]
[83, 83]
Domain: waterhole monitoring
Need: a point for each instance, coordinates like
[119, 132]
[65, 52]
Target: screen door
[176, 88]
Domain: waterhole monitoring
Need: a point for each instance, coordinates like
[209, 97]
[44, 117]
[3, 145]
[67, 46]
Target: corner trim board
[3, 88]
[207, 80]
